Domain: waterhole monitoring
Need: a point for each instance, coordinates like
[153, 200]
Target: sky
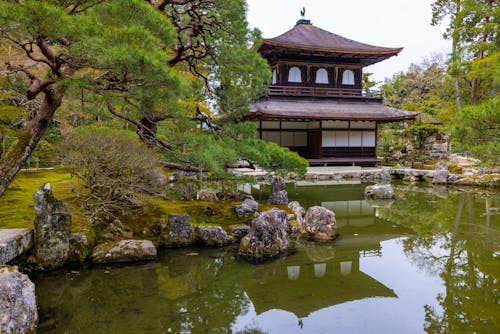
[388, 23]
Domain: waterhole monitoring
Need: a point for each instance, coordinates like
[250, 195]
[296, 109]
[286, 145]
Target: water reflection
[424, 263]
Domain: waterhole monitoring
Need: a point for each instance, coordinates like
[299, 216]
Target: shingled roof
[328, 109]
[305, 37]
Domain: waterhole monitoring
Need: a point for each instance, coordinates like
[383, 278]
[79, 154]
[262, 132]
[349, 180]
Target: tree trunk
[473, 91]
[12, 162]
[149, 135]
[454, 51]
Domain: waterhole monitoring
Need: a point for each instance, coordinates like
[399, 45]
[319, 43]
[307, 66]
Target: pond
[426, 262]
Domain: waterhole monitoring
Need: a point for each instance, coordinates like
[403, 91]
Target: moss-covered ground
[16, 206]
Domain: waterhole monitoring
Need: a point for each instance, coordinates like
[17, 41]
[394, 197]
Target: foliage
[477, 128]
[423, 88]
[367, 84]
[185, 188]
[165, 68]
[421, 131]
[473, 28]
[116, 170]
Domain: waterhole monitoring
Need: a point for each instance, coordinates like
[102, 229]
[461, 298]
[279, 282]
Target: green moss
[17, 206]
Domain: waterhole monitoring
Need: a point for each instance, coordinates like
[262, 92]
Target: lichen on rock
[267, 237]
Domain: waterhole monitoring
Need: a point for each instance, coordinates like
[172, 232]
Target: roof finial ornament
[303, 12]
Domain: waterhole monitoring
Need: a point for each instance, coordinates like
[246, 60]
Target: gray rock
[18, 311]
[52, 229]
[278, 193]
[267, 237]
[14, 242]
[124, 251]
[385, 174]
[214, 236]
[441, 174]
[79, 247]
[178, 232]
[206, 195]
[320, 223]
[247, 208]
[298, 210]
[379, 191]
[239, 232]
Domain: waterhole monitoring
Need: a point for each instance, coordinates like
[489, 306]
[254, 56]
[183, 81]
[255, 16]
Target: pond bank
[469, 177]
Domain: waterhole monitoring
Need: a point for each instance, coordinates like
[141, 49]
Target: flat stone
[14, 242]
[124, 251]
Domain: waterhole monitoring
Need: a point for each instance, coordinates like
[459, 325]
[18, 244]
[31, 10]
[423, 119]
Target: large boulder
[247, 208]
[14, 242]
[320, 223]
[214, 236]
[206, 195]
[178, 232]
[379, 191]
[52, 229]
[278, 193]
[18, 312]
[124, 251]
[267, 237]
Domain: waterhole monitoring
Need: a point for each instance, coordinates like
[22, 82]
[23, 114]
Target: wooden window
[275, 77]
[294, 74]
[348, 77]
[321, 76]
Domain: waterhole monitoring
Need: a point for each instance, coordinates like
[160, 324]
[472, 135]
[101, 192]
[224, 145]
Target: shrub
[116, 168]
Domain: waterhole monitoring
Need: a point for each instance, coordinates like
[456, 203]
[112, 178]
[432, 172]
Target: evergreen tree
[150, 62]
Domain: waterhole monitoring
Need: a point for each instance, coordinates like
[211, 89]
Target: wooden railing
[321, 91]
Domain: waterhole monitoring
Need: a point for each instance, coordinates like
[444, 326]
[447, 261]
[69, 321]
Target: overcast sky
[389, 23]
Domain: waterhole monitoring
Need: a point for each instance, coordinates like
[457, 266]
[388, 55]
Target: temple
[315, 104]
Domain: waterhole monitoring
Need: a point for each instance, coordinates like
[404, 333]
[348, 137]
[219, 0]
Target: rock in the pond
[267, 237]
[379, 191]
[239, 232]
[247, 208]
[52, 229]
[278, 193]
[124, 251]
[320, 223]
[18, 311]
[178, 232]
[79, 247]
[206, 195]
[214, 236]
[298, 210]
[441, 174]
[14, 242]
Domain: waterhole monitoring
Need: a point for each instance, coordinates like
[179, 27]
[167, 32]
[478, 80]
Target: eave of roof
[306, 37]
[327, 109]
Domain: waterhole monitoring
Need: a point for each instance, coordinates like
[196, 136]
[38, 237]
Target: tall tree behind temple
[473, 29]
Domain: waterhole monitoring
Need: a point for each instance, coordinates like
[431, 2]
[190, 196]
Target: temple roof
[327, 109]
[305, 37]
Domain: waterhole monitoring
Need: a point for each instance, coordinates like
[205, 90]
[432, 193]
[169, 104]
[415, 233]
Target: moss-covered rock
[213, 236]
[124, 251]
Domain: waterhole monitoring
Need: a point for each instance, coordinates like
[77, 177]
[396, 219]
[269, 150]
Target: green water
[427, 262]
